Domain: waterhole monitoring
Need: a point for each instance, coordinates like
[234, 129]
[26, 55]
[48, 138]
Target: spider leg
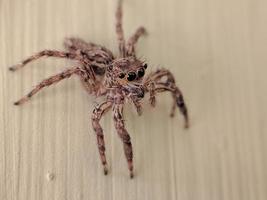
[155, 85]
[50, 53]
[155, 78]
[74, 44]
[123, 134]
[97, 114]
[159, 74]
[152, 93]
[119, 29]
[178, 100]
[47, 82]
[138, 106]
[130, 47]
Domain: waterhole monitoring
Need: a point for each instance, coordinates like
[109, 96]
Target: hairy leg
[119, 29]
[98, 112]
[152, 94]
[130, 47]
[155, 84]
[178, 100]
[47, 82]
[50, 53]
[156, 78]
[74, 44]
[79, 46]
[138, 106]
[159, 74]
[123, 134]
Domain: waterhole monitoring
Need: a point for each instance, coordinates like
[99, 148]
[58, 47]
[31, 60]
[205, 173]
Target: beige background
[217, 50]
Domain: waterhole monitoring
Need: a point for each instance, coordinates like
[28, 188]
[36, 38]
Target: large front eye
[131, 76]
[141, 72]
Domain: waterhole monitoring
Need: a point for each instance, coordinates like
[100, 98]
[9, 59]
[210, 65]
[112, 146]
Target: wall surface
[217, 50]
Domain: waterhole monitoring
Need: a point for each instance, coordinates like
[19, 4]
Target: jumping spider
[118, 78]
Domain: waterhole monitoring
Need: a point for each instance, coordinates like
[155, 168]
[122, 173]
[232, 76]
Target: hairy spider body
[117, 78]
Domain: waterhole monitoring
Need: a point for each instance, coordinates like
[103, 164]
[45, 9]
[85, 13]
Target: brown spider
[118, 78]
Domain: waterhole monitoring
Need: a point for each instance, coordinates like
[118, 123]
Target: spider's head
[127, 73]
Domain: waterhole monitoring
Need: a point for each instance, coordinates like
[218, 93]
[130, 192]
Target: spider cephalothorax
[126, 74]
[117, 78]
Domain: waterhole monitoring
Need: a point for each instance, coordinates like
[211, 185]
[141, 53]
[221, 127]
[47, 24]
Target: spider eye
[145, 66]
[141, 72]
[122, 75]
[131, 76]
[110, 67]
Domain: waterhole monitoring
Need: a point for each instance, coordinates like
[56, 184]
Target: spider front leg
[137, 104]
[179, 101]
[155, 84]
[123, 134]
[47, 82]
[97, 115]
[50, 53]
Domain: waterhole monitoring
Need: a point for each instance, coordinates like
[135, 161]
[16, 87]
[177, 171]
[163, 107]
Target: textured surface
[217, 51]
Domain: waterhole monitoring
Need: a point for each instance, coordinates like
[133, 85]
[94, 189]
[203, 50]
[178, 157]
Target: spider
[117, 78]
